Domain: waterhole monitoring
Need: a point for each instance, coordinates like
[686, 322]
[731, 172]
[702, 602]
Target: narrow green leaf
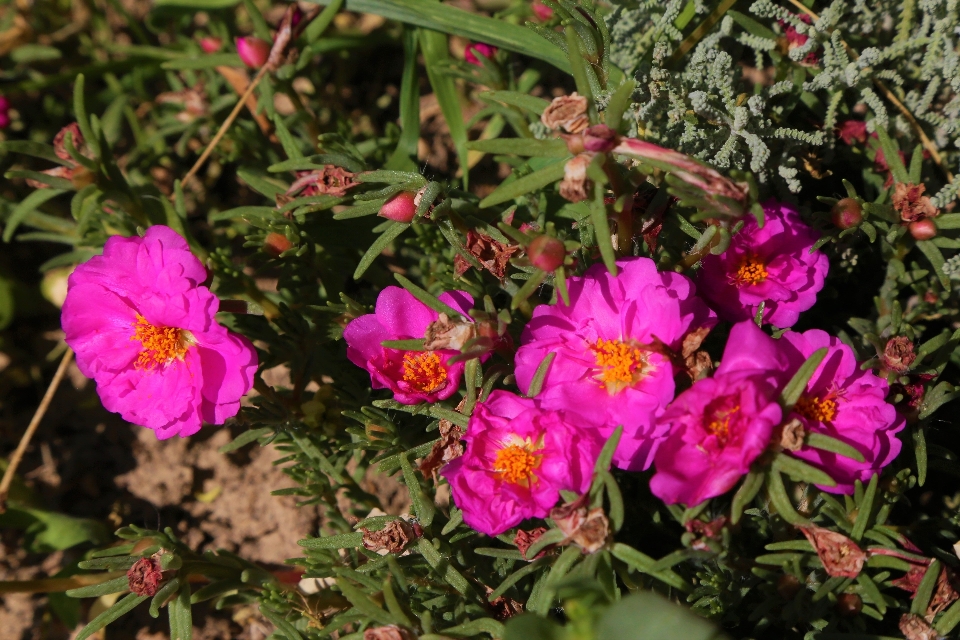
[892, 155]
[517, 576]
[644, 564]
[541, 600]
[404, 156]
[122, 607]
[871, 591]
[527, 184]
[244, 439]
[423, 507]
[205, 61]
[536, 384]
[110, 563]
[104, 588]
[455, 417]
[436, 58]
[363, 603]
[798, 383]
[615, 498]
[404, 345]
[426, 297]
[524, 101]
[307, 446]
[51, 181]
[609, 448]
[243, 212]
[781, 501]
[444, 566]
[381, 243]
[949, 620]
[80, 112]
[283, 626]
[42, 151]
[751, 486]
[618, 104]
[162, 595]
[921, 600]
[522, 147]
[27, 206]
[865, 512]
[216, 589]
[933, 254]
[181, 618]
[827, 443]
[553, 536]
[800, 471]
[920, 451]
[342, 541]
[319, 25]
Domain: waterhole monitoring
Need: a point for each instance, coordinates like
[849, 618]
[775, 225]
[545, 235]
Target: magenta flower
[483, 49]
[772, 264]
[612, 347]
[253, 51]
[720, 425]
[845, 403]
[145, 330]
[4, 112]
[412, 376]
[517, 461]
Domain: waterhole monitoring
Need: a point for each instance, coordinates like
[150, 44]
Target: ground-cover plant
[671, 317]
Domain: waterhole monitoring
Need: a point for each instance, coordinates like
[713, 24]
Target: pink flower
[4, 113]
[412, 376]
[541, 10]
[851, 131]
[720, 425]
[518, 459]
[253, 51]
[210, 44]
[145, 330]
[473, 49]
[773, 265]
[613, 347]
[845, 403]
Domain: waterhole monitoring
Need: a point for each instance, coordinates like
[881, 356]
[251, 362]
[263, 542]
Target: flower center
[717, 417]
[516, 462]
[423, 371]
[750, 271]
[161, 345]
[813, 408]
[621, 364]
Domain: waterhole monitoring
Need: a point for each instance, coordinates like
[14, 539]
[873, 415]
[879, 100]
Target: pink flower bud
[485, 50]
[4, 113]
[546, 253]
[400, 208]
[847, 213]
[600, 138]
[253, 51]
[541, 10]
[211, 44]
[923, 229]
[276, 243]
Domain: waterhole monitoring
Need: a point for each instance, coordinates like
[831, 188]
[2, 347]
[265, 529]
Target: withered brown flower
[839, 554]
[566, 112]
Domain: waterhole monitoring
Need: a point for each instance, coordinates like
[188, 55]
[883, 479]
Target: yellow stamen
[621, 364]
[717, 417]
[751, 271]
[161, 345]
[516, 462]
[423, 371]
[814, 408]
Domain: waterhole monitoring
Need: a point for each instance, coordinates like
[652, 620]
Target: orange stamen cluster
[161, 345]
[424, 371]
[750, 271]
[621, 363]
[813, 408]
[516, 463]
[717, 418]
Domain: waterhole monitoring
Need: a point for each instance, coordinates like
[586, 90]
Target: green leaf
[110, 563]
[307, 446]
[753, 27]
[921, 600]
[362, 603]
[524, 101]
[446, 18]
[243, 212]
[647, 615]
[578, 66]
[618, 104]
[80, 113]
[601, 231]
[537, 180]
[216, 589]
[864, 513]
[455, 417]
[427, 298]
[933, 254]
[609, 448]
[342, 541]
[522, 147]
[781, 501]
[104, 588]
[529, 626]
[120, 608]
[644, 564]
[444, 567]
[181, 618]
[245, 438]
[319, 25]
[423, 507]
[615, 498]
[436, 58]
[199, 5]
[751, 486]
[27, 206]
[517, 576]
[404, 156]
[45, 152]
[920, 452]
[553, 536]
[206, 61]
[949, 620]
[536, 384]
[268, 187]
[800, 471]
[798, 383]
[892, 155]
[286, 629]
[473, 628]
[381, 243]
[826, 443]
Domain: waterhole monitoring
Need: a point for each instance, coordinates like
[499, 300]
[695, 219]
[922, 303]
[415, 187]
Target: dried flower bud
[923, 229]
[588, 529]
[210, 44]
[399, 208]
[566, 112]
[914, 627]
[276, 243]
[144, 577]
[911, 204]
[525, 539]
[841, 557]
[847, 213]
[485, 50]
[573, 187]
[492, 254]
[253, 51]
[792, 435]
[444, 450]
[389, 632]
[546, 253]
[504, 608]
[849, 605]
[393, 538]
[788, 586]
[445, 333]
[600, 139]
[898, 354]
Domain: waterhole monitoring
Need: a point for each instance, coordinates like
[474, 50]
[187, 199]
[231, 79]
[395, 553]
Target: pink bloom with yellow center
[412, 376]
[518, 459]
[144, 329]
[845, 403]
[612, 347]
[771, 265]
[721, 425]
